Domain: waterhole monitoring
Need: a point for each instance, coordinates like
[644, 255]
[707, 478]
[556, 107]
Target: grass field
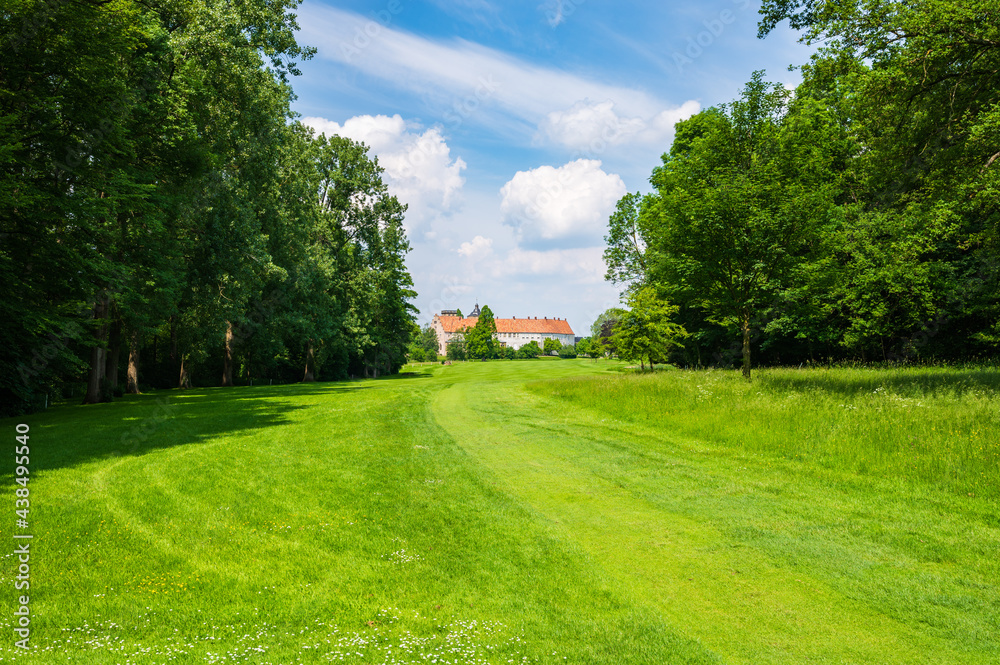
[540, 511]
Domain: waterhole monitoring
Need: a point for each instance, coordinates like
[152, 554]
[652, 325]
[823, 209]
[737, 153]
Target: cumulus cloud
[419, 168]
[592, 127]
[566, 206]
[583, 265]
[477, 249]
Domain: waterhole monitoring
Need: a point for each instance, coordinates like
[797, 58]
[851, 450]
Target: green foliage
[147, 162]
[739, 204]
[567, 351]
[428, 339]
[916, 85]
[529, 350]
[480, 340]
[550, 345]
[645, 332]
[625, 254]
[602, 332]
[456, 349]
[855, 219]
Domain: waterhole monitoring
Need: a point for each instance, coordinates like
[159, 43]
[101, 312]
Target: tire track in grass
[733, 599]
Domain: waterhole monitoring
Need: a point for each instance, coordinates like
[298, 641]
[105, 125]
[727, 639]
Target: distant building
[513, 332]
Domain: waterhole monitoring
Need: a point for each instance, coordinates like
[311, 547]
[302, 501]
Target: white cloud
[592, 127]
[468, 81]
[478, 249]
[583, 265]
[418, 165]
[569, 205]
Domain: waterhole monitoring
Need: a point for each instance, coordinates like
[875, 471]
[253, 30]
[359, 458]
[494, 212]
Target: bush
[529, 350]
[456, 350]
[568, 351]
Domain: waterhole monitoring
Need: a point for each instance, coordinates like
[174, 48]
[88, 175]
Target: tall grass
[931, 425]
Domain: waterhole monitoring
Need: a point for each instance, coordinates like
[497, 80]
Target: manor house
[512, 332]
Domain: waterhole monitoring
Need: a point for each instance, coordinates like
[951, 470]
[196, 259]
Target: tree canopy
[480, 339]
[857, 216]
[646, 332]
[164, 220]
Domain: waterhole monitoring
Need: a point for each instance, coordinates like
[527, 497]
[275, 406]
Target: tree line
[165, 221]
[854, 217]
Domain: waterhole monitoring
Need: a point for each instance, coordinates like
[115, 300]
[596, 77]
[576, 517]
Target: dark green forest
[165, 221]
[854, 218]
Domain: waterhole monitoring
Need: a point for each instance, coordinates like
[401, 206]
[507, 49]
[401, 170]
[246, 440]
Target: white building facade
[513, 332]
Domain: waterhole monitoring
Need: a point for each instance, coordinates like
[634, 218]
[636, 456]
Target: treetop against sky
[512, 129]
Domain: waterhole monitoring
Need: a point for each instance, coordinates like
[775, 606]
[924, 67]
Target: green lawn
[538, 511]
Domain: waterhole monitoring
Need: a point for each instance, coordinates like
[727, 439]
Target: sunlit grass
[931, 425]
[320, 523]
[537, 511]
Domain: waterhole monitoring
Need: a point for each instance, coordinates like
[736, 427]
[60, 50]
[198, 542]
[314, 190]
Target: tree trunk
[95, 380]
[227, 361]
[173, 339]
[745, 325]
[114, 354]
[184, 381]
[310, 373]
[132, 377]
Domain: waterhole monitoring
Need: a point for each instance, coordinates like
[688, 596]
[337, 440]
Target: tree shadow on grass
[910, 382]
[71, 434]
[405, 376]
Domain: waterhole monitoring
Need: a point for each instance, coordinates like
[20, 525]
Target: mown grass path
[476, 514]
[758, 562]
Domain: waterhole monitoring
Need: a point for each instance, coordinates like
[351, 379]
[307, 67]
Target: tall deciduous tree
[602, 331]
[626, 241]
[480, 340]
[646, 332]
[739, 198]
[428, 340]
[920, 84]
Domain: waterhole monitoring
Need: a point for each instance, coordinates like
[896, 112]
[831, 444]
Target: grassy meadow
[545, 511]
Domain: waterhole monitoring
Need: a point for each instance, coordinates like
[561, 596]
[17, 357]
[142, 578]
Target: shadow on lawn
[910, 382]
[72, 434]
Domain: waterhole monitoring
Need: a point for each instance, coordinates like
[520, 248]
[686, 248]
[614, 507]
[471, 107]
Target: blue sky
[511, 129]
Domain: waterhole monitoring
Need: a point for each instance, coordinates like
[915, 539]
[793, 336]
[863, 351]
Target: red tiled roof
[539, 326]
